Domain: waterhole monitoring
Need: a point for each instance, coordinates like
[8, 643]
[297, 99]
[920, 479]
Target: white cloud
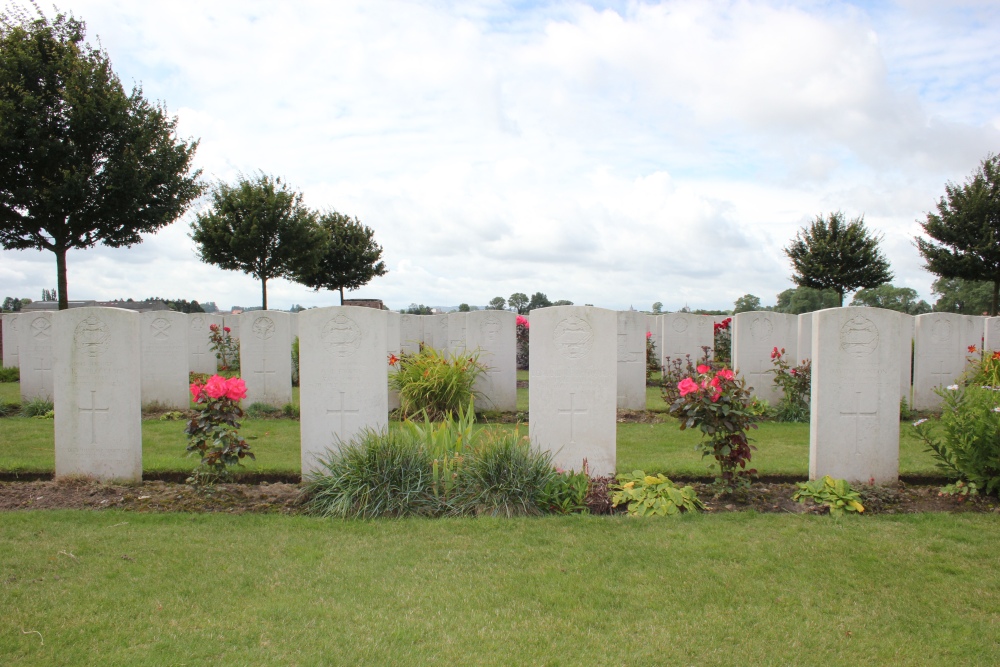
[656, 152]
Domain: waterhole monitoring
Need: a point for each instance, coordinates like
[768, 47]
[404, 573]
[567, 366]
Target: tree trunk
[263, 288]
[841, 293]
[342, 298]
[61, 278]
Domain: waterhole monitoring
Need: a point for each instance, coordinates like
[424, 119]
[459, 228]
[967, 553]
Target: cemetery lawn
[88, 587]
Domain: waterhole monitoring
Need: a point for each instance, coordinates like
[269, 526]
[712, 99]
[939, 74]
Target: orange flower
[996, 355]
[393, 360]
[972, 348]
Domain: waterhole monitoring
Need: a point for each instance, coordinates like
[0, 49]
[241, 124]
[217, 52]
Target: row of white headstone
[577, 356]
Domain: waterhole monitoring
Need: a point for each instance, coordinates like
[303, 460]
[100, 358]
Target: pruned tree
[464, 308]
[902, 299]
[965, 232]
[834, 253]
[538, 300]
[519, 302]
[348, 259]
[82, 162]
[746, 303]
[657, 307]
[800, 300]
[258, 226]
[497, 303]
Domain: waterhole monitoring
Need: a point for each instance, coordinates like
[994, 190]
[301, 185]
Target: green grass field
[110, 588]
[27, 445]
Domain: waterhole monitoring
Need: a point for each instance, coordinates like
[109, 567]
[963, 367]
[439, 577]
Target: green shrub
[502, 476]
[375, 474]
[295, 362]
[984, 371]
[834, 493]
[262, 411]
[9, 409]
[10, 374]
[436, 384]
[796, 385]
[565, 493]
[968, 448]
[645, 495]
[36, 407]
[447, 444]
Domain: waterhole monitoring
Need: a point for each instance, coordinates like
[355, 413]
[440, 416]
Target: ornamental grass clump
[435, 383]
[214, 433]
[719, 404]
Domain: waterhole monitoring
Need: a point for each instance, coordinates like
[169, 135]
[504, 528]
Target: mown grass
[138, 589]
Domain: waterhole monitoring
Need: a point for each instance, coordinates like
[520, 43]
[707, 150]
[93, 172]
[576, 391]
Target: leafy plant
[295, 362]
[523, 330]
[435, 383]
[565, 493]
[502, 476]
[10, 374]
[36, 407]
[645, 495]
[834, 493]
[652, 360]
[675, 370]
[447, 443]
[795, 383]
[719, 404]
[171, 416]
[969, 447]
[723, 341]
[375, 474]
[984, 371]
[262, 411]
[214, 432]
[226, 348]
[9, 409]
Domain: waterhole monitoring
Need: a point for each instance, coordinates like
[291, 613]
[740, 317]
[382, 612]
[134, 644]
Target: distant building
[137, 306]
[366, 303]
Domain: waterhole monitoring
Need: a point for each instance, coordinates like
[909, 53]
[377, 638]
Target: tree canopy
[497, 303]
[966, 297]
[834, 253]
[81, 161]
[965, 232]
[519, 302]
[805, 300]
[348, 258]
[746, 303]
[258, 226]
[538, 300]
[902, 299]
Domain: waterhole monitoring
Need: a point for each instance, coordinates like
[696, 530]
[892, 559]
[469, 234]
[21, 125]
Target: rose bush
[214, 432]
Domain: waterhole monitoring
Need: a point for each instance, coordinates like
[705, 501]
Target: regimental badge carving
[859, 336]
[761, 328]
[680, 324]
[158, 328]
[91, 336]
[490, 327]
[342, 336]
[13, 323]
[197, 322]
[573, 337]
[263, 328]
[41, 329]
[941, 331]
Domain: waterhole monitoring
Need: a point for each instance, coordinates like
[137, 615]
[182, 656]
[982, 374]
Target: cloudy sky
[613, 153]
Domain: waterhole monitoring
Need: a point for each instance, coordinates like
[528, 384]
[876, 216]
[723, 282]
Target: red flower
[393, 360]
[522, 321]
[196, 392]
[726, 374]
[702, 368]
[236, 389]
[213, 327]
[717, 395]
[649, 334]
[216, 386]
[226, 329]
[775, 354]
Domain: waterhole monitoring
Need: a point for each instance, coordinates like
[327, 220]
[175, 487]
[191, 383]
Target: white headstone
[684, 334]
[906, 326]
[439, 331]
[991, 341]
[411, 332]
[804, 342]
[164, 348]
[98, 411]
[393, 336]
[854, 419]
[631, 360]
[202, 357]
[343, 376]
[939, 356]
[573, 378]
[10, 342]
[233, 322]
[975, 332]
[493, 333]
[35, 355]
[755, 335]
[457, 333]
[266, 357]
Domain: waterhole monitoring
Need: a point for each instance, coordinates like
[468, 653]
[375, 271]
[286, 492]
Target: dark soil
[285, 498]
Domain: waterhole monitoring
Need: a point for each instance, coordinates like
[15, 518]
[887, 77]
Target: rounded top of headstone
[342, 336]
[859, 336]
[573, 337]
[263, 328]
[91, 336]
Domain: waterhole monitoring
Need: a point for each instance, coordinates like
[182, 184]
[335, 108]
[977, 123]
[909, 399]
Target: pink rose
[717, 395]
[702, 368]
[649, 334]
[216, 386]
[725, 374]
[775, 354]
[687, 386]
[226, 329]
[522, 321]
[196, 392]
[236, 389]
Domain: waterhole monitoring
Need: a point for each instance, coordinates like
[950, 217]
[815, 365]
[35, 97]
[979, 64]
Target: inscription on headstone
[266, 357]
[35, 355]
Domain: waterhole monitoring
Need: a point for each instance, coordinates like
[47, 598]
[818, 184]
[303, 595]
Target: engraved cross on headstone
[856, 414]
[760, 378]
[263, 372]
[93, 409]
[342, 411]
[941, 376]
[42, 367]
[572, 411]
